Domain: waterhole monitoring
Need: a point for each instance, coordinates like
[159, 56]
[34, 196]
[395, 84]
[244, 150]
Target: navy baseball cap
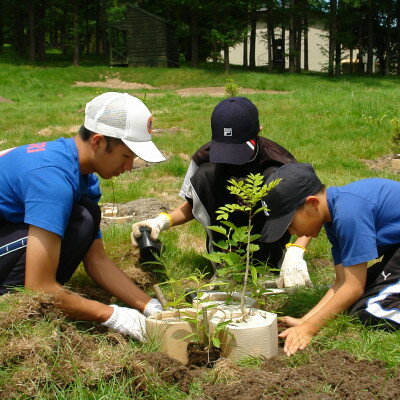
[234, 126]
[298, 181]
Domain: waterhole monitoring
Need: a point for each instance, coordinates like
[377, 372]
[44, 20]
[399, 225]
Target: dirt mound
[4, 100]
[116, 83]
[169, 370]
[40, 347]
[220, 91]
[331, 375]
[136, 210]
[59, 130]
[383, 163]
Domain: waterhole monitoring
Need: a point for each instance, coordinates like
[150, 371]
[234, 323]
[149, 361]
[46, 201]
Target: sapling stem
[246, 273]
[160, 295]
[205, 327]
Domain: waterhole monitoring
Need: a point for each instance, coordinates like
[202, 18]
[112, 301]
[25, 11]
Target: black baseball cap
[298, 181]
[234, 126]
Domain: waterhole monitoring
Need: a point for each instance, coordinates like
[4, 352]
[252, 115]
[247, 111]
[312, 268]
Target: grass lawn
[334, 123]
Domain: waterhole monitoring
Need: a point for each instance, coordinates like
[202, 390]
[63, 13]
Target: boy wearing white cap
[50, 219]
[236, 149]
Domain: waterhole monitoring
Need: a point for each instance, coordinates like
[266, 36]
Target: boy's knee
[85, 218]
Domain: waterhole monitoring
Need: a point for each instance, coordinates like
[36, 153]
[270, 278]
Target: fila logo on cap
[227, 131]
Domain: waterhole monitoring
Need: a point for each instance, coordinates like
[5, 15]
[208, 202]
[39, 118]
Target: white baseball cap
[125, 117]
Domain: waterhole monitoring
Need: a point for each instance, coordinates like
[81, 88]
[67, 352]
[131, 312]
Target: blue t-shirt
[41, 182]
[365, 220]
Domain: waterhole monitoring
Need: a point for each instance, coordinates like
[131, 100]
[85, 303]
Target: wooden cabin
[143, 39]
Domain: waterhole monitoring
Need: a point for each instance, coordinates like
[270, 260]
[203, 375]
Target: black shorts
[380, 303]
[82, 229]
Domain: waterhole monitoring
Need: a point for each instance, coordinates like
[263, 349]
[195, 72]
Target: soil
[116, 83]
[200, 357]
[220, 91]
[34, 354]
[324, 376]
[4, 100]
[136, 210]
[381, 164]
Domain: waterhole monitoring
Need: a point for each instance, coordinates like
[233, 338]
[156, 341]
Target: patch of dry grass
[42, 347]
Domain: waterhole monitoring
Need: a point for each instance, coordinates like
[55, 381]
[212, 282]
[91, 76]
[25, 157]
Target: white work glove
[128, 322]
[152, 307]
[156, 226]
[293, 269]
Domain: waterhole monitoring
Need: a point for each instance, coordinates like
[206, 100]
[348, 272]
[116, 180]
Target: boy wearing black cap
[236, 149]
[362, 223]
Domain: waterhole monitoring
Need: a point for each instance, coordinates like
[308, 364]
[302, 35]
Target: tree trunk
[98, 29]
[298, 45]
[270, 39]
[63, 32]
[351, 65]
[41, 31]
[338, 58]
[360, 55]
[226, 57]
[194, 28]
[292, 39]
[87, 30]
[19, 29]
[245, 52]
[103, 28]
[283, 2]
[398, 37]
[1, 25]
[332, 35]
[32, 36]
[75, 46]
[253, 31]
[305, 46]
[387, 49]
[215, 53]
[338, 47]
[370, 38]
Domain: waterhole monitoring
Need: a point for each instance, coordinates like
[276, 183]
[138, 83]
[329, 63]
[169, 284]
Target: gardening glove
[293, 268]
[128, 322]
[152, 307]
[156, 226]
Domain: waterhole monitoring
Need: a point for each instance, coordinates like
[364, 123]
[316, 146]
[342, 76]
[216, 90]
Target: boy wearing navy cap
[236, 149]
[362, 222]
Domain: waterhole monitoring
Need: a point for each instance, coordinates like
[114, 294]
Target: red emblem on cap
[150, 124]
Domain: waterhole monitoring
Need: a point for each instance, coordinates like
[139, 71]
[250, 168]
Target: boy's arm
[349, 286]
[42, 258]
[329, 294]
[182, 214]
[106, 273]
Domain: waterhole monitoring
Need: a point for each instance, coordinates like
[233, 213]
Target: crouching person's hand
[156, 226]
[297, 337]
[128, 322]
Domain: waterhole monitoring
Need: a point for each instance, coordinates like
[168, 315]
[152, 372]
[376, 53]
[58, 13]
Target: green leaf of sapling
[219, 229]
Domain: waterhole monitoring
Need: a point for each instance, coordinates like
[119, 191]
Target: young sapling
[236, 252]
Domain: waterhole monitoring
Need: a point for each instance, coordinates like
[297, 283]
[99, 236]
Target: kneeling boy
[362, 222]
